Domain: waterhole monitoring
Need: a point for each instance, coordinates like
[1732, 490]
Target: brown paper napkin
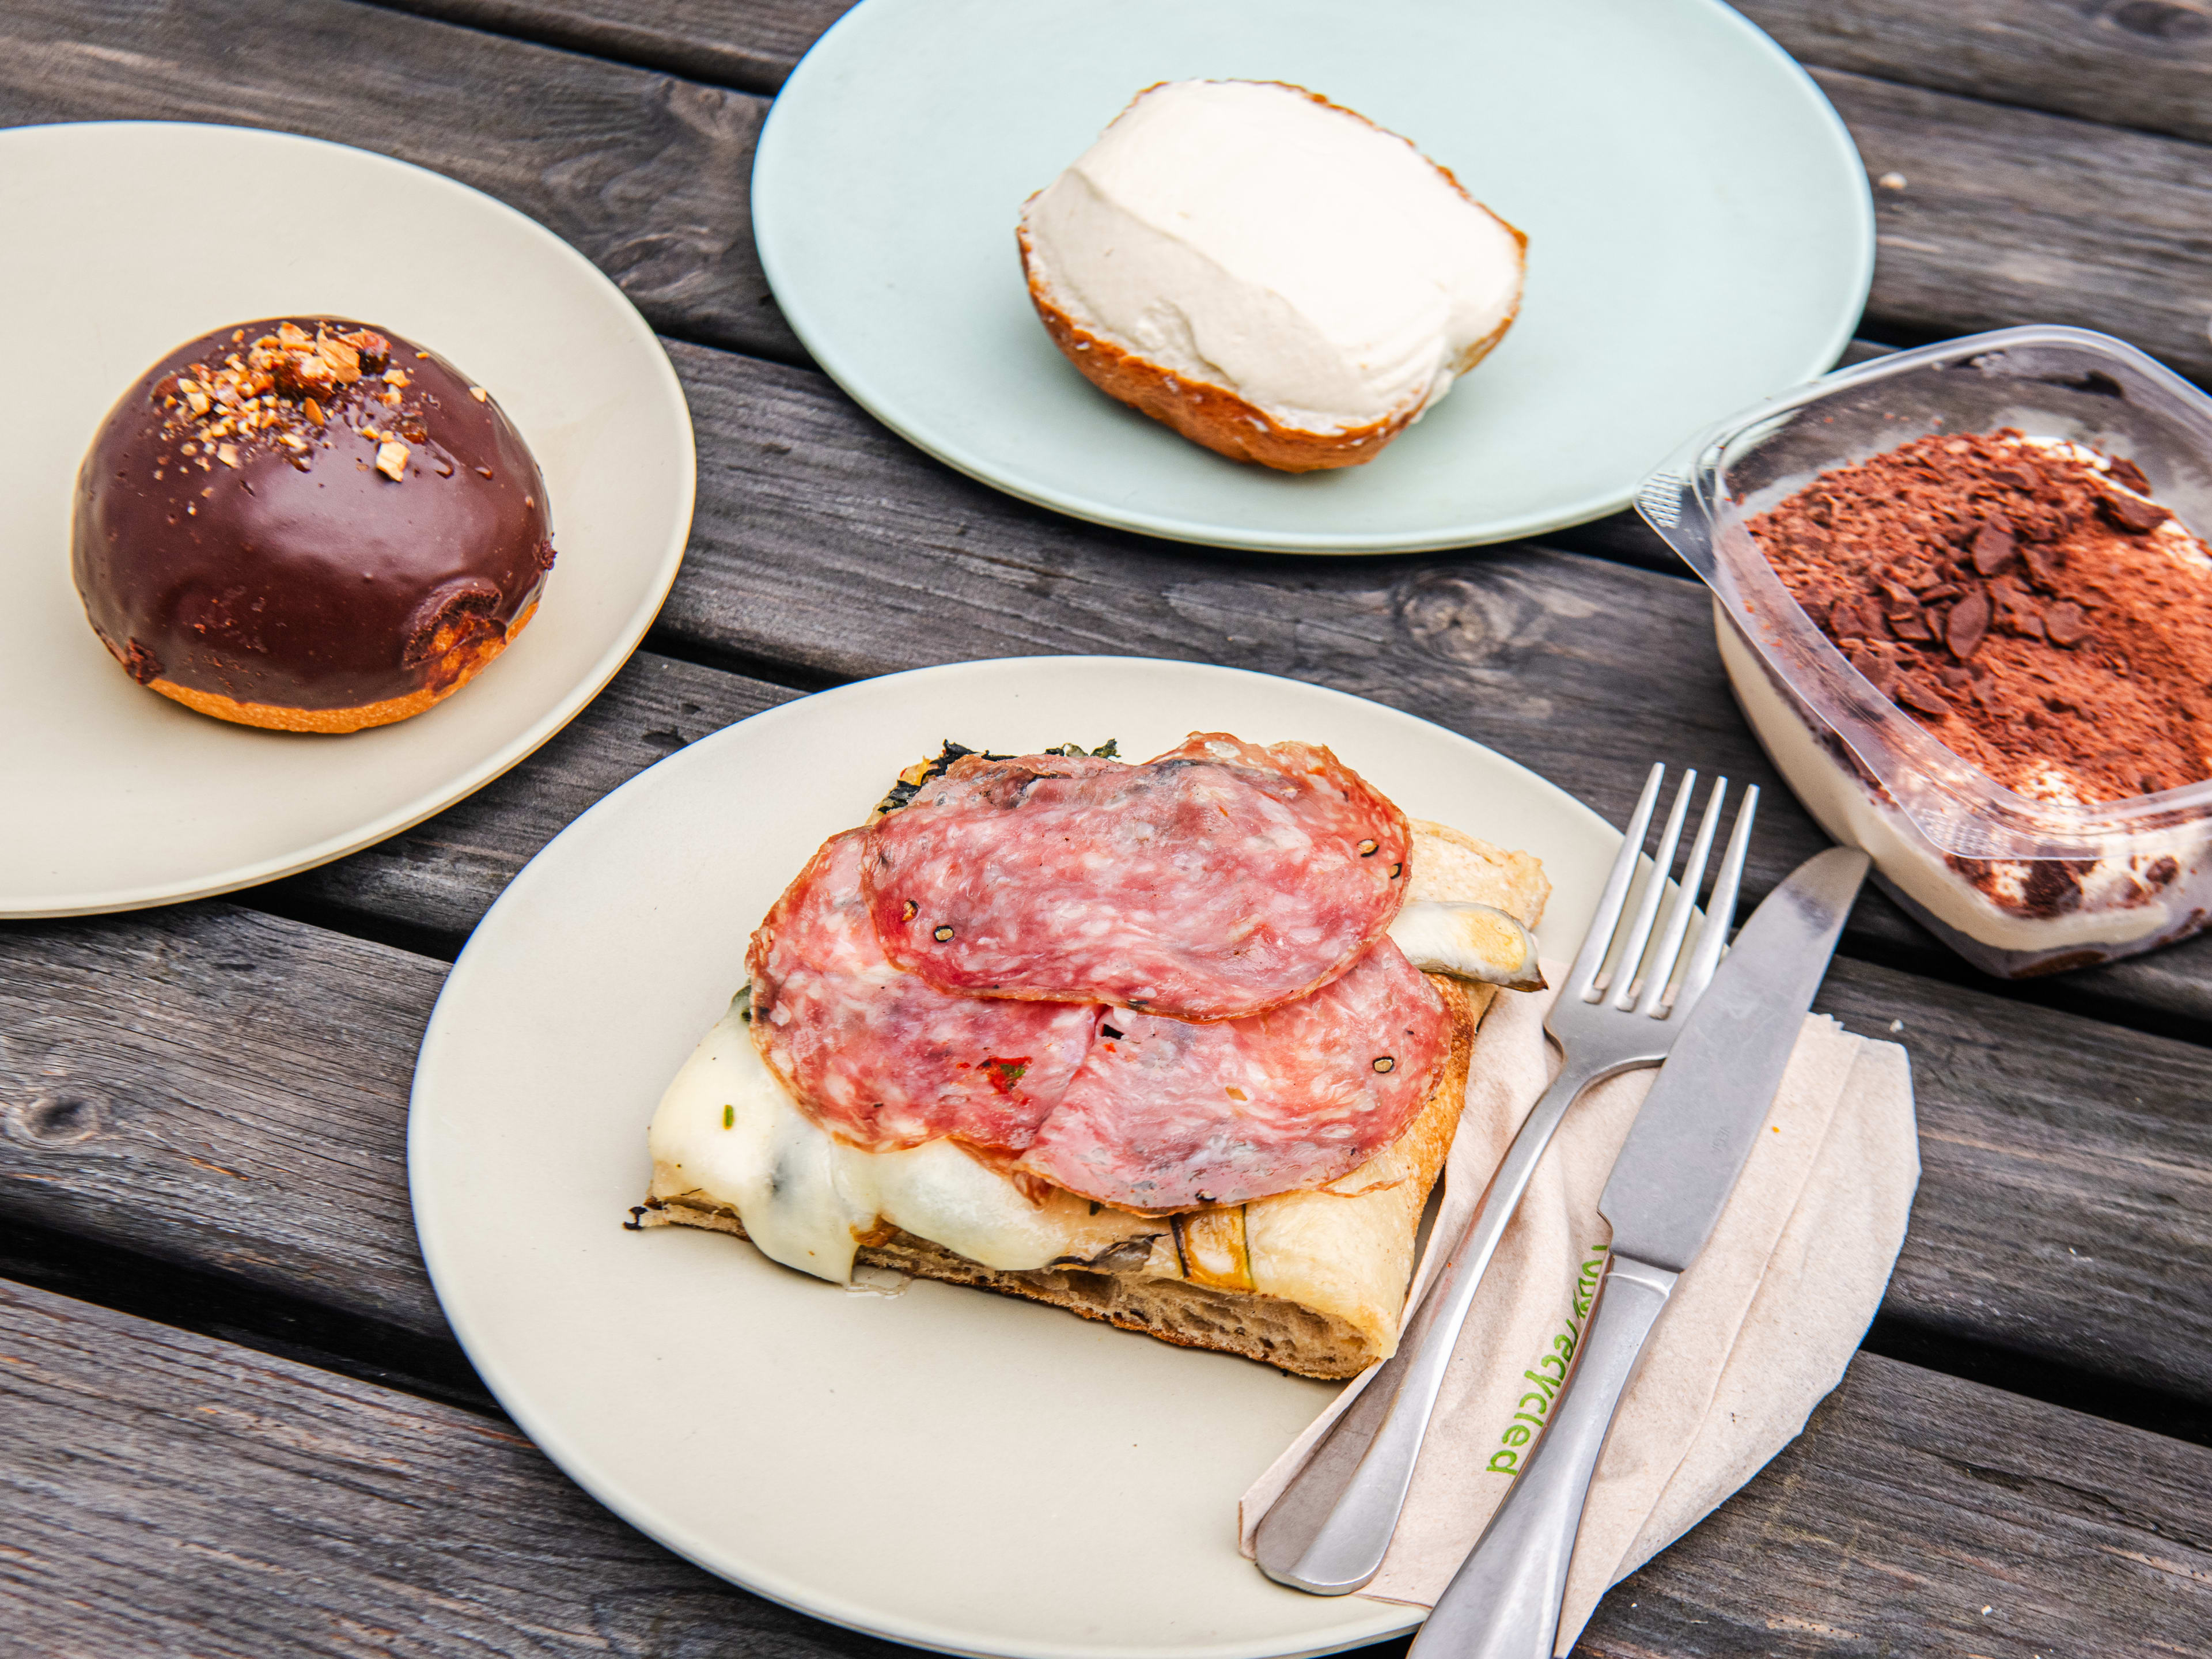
[1756, 1332]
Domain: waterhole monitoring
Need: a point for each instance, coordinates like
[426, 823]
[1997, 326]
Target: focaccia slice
[1313, 1282]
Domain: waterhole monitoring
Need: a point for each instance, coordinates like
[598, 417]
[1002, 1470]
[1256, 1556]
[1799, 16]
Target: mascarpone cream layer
[1243, 235]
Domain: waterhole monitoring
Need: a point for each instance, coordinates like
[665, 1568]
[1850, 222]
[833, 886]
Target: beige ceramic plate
[944, 1467]
[118, 798]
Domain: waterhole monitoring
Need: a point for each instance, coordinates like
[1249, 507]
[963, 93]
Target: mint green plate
[1701, 235]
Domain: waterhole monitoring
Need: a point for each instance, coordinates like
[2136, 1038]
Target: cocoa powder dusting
[2035, 611]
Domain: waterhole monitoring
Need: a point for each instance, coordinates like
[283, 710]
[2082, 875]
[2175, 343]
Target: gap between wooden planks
[823, 541]
[164, 1491]
[2146, 65]
[227, 1089]
[2006, 214]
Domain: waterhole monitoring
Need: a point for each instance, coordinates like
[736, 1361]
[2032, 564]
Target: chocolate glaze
[281, 565]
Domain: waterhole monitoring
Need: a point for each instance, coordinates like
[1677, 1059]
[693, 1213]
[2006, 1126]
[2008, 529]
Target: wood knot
[55, 1120]
[2161, 19]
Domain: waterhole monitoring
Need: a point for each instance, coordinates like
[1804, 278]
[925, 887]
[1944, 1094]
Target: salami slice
[1217, 881]
[877, 1056]
[1169, 1113]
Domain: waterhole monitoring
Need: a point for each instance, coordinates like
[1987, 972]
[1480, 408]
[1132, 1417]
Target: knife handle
[1504, 1602]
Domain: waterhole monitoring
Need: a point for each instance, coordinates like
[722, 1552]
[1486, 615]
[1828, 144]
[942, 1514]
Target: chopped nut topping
[391, 460]
[478, 393]
[281, 385]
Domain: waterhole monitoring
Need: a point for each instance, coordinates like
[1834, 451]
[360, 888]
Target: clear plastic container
[2017, 886]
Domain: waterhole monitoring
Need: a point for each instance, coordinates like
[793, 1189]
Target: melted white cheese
[1240, 234]
[727, 1127]
[1465, 940]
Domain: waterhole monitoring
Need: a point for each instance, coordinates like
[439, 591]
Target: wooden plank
[1918, 1514]
[223, 1088]
[2144, 64]
[752, 44]
[648, 176]
[2010, 216]
[227, 1089]
[168, 1493]
[164, 1491]
[824, 542]
[2066, 1185]
[443, 874]
[2007, 215]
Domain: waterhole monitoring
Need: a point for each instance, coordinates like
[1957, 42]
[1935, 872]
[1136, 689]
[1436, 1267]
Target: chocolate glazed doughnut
[308, 525]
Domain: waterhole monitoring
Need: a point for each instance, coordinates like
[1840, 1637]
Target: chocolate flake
[1920, 694]
[1993, 545]
[2045, 566]
[2125, 513]
[2130, 474]
[2044, 638]
[1969, 622]
[1879, 670]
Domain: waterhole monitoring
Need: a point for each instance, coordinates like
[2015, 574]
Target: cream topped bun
[1274, 277]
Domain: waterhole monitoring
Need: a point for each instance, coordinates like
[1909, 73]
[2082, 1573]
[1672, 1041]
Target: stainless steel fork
[1328, 1531]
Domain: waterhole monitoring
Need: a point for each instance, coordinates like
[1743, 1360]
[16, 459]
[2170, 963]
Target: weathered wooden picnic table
[235, 1422]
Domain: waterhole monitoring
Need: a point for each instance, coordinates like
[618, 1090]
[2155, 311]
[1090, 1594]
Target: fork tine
[1591, 958]
[1647, 908]
[1720, 909]
[1667, 953]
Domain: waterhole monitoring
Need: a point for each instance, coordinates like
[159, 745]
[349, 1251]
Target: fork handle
[1328, 1530]
[1504, 1602]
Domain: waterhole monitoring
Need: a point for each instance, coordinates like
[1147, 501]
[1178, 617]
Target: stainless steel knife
[1667, 1189]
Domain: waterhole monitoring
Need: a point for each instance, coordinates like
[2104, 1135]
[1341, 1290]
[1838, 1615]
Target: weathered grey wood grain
[752, 44]
[2066, 1186]
[220, 1088]
[2010, 216]
[648, 175]
[822, 541]
[2007, 215]
[1835, 1549]
[163, 1492]
[227, 1089]
[443, 874]
[2144, 64]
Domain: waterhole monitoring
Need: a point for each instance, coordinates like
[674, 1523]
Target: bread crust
[452, 667]
[1214, 417]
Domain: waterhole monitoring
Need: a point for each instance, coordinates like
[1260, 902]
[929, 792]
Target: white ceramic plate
[110, 256]
[1701, 235]
[945, 1468]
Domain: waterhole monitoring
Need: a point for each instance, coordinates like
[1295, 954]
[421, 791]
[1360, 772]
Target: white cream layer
[2114, 910]
[1240, 234]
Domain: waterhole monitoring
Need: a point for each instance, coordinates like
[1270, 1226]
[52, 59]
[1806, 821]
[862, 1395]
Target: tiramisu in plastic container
[1961, 595]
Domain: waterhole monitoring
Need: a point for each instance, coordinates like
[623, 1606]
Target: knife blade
[1669, 1186]
[1688, 1144]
